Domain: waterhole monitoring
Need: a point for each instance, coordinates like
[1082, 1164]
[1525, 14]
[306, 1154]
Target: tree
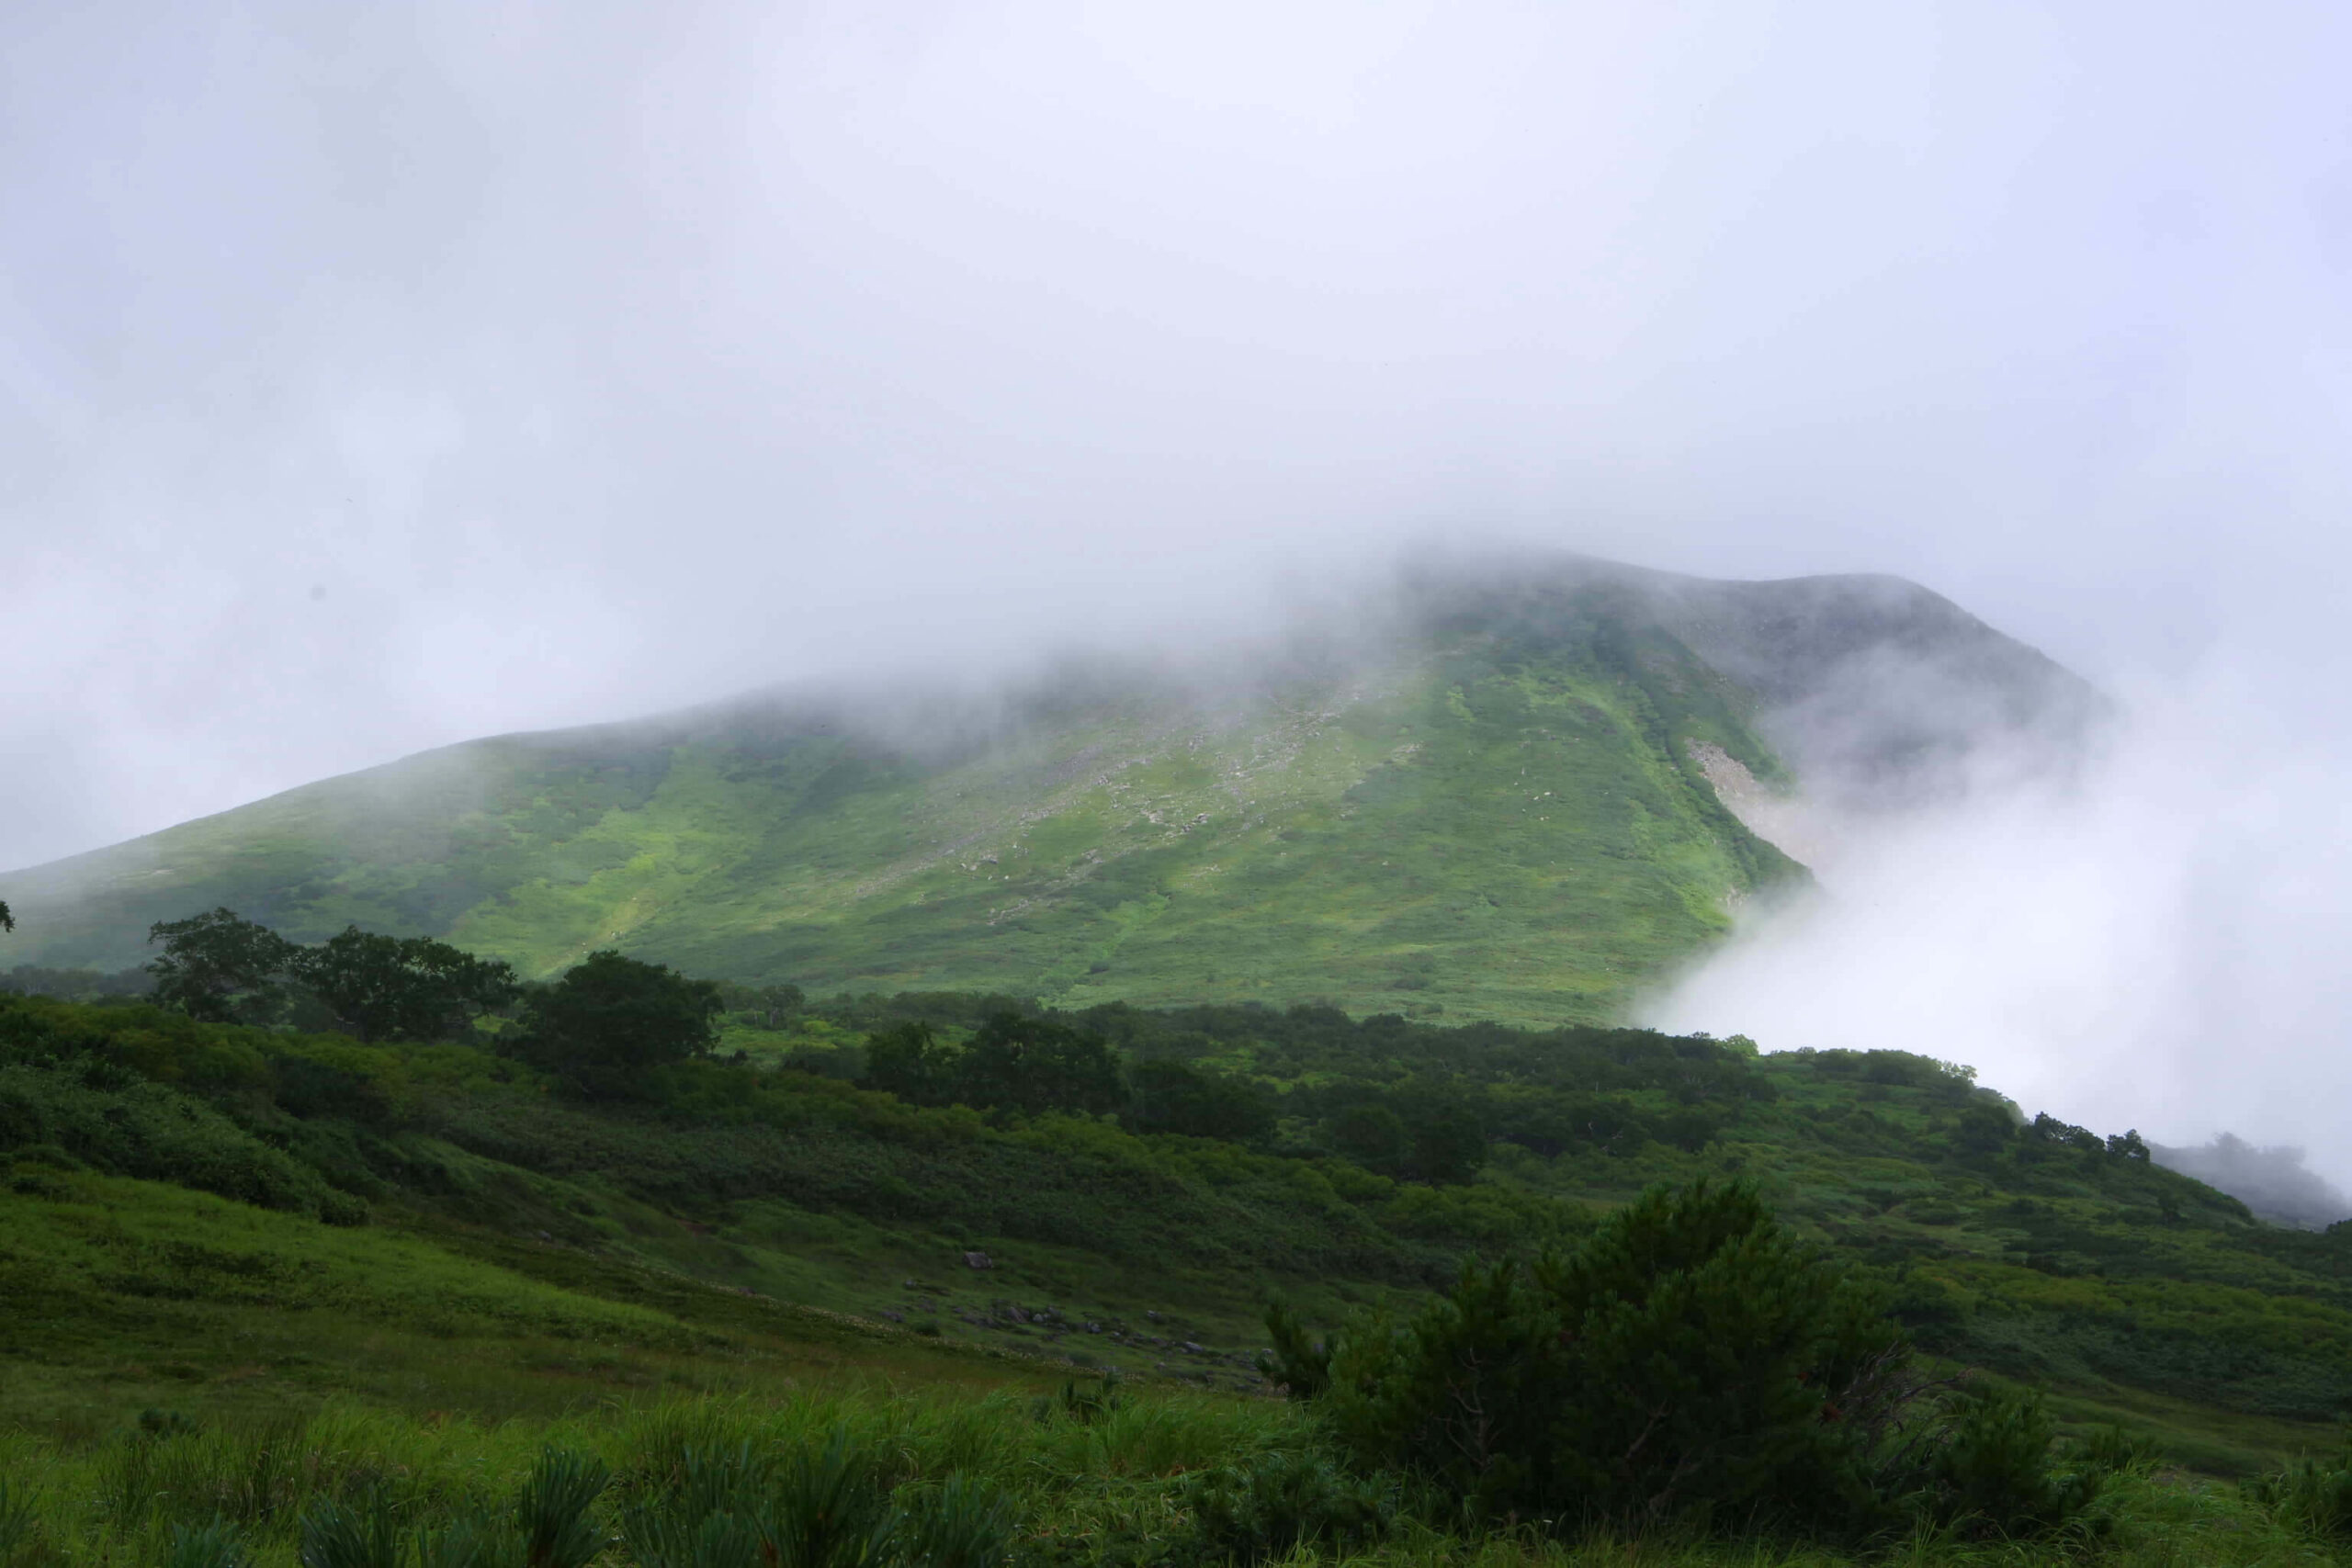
[1982, 1131]
[611, 1020]
[1372, 1136]
[1036, 1065]
[221, 967]
[1175, 1097]
[1449, 1145]
[907, 1062]
[385, 988]
[7, 920]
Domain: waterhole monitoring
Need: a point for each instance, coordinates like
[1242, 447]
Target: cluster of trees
[1032, 1064]
[1983, 1130]
[1690, 1361]
[600, 1030]
[224, 968]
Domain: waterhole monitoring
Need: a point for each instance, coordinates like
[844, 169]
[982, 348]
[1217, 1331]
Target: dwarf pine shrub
[1689, 1361]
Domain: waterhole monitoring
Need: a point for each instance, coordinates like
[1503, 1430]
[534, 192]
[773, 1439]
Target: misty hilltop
[1516, 788]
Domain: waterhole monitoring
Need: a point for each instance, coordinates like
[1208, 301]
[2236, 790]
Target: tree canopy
[224, 968]
[611, 1020]
[388, 987]
[221, 967]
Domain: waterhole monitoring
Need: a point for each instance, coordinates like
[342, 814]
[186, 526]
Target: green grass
[1501, 824]
[1112, 1490]
[760, 1259]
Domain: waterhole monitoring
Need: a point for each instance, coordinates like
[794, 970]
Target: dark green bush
[1688, 1362]
[1268, 1506]
[1990, 1471]
[1297, 1363]
[84, 1107]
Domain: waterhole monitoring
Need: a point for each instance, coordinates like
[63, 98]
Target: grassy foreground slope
[248, 1269]
[1498, 815]
[203, 1213]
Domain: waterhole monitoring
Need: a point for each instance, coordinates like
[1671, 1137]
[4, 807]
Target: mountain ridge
[1487, 792]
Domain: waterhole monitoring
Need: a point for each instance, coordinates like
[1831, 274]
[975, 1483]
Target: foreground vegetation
[994, 1280]
[949, 1478]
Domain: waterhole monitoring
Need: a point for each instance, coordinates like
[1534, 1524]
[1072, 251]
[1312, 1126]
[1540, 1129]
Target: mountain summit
[1512, 788]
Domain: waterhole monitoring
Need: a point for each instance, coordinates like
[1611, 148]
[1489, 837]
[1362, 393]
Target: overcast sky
[374, 376]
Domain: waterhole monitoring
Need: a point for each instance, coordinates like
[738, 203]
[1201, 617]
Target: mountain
[1503, 788]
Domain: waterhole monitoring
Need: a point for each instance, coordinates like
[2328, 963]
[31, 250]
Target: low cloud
[2153, 939]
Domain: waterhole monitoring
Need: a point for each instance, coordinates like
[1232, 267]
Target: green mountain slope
[1499, 814]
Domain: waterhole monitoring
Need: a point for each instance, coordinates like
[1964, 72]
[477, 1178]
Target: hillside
[204, 1217]
[1484, 795]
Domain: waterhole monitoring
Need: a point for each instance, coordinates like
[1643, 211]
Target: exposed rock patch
[1780, 820]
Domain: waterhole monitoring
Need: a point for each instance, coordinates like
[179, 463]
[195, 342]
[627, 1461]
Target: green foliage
[1991, 1469]
[1374, 1136]
[830, 1508]
[388, 987]
[610, 1022]
[20, 1521]
[1177, 1097]
[964, 1522]
[99, 1116]
[1297, 1363]
[221, 967]
[467, 1540]
[1689, 1361]
[1084, 1404]
[552, 1517]
[241, 1476]
[909, 1062]
[364, 1533]
[1267, 1507]
[213, 1544]
[1034, 1065]
[2313, 1495]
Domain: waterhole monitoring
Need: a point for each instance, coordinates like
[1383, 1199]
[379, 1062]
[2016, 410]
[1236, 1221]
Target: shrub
[1270, 1506]
[90, 1112]
[1990, 1472]
[1689, 1361]
[1298, 1362]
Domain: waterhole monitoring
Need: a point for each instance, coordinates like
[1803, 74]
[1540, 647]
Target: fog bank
[2154, 940]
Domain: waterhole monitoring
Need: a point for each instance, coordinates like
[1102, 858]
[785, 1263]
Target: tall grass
[881, 1478]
